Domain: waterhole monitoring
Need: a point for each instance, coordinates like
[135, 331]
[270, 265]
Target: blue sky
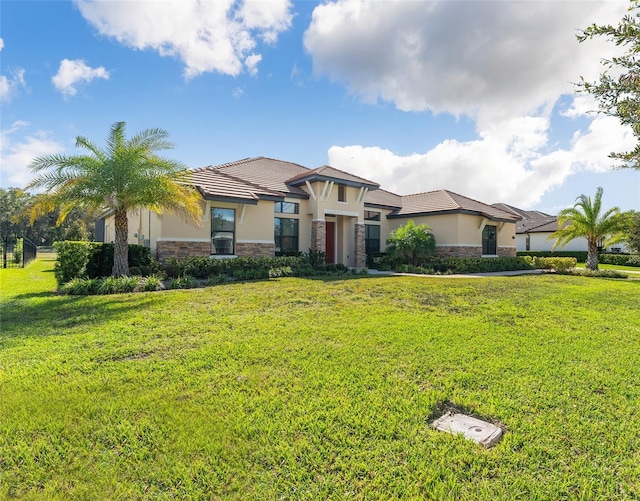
[475, 97]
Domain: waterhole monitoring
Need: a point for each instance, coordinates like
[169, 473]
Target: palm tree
[125, 175]
[584, 220]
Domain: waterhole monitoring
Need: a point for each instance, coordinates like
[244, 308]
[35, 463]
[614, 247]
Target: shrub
[619, 259]
[581, 256]
[79, 287]
[555, 263]
[218, 279]
[71, 260]
[94, 259]
[315, 258]
[383, 262]
[184, 282]
[281, 271]
[127, 284]
[584, 272]
[475, 264]
[410, 244]
[17, 251]
[108, 285]
[100, 260]
[151, 283]
[460, 265]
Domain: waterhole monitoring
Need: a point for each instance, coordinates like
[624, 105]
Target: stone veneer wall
[361, 256]
[507, 251]
[319, 236]
[169, 248]
[255, 250]
[453, 251]
[180, 250]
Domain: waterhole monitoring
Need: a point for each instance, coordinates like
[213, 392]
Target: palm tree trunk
[592, 256]
[121, 248]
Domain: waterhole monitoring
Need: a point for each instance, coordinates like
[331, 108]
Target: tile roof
[525, 214]
[541, 225]
[250, 179]
[383, 198]
[443, 201]
[268, 173]
[327, 172]
[532, 221]
[215, 184]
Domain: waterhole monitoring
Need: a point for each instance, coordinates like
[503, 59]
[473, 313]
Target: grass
[612, 267]
[312, 389]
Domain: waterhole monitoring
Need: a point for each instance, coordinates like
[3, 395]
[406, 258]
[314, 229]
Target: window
[287, 208]
[285, 234]
[371, 238]
[342, 193]
[528, 242]
[489, 240]
[371, 215]
[223, 231]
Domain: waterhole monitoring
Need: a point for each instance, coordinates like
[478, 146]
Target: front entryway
[330, 242]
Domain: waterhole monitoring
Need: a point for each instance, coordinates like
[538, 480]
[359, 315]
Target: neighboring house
[534, 230]
[260, 206]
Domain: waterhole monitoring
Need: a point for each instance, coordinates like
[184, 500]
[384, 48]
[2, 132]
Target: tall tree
[618, 95]
[126, 175]
[633, 232]
[584, 219]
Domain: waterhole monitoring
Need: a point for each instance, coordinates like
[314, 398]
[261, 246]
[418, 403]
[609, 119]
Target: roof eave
[381, 206]
[449, 211]
[346, 182]
[239, 200]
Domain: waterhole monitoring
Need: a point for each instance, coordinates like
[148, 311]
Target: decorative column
[319, 236]
[361, 255]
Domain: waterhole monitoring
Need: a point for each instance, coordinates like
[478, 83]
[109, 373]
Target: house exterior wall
[461, 235]
[167, 235]
[539, 242]
[253, 231]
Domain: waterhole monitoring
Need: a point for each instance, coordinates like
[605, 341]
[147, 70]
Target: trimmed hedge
[560, 264]
[463, 265]
[581, 256]
[93, 260]
[620, 259]
[240, 268]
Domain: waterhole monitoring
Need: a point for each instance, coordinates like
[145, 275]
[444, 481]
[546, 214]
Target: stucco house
[260, 206]
[534, 230]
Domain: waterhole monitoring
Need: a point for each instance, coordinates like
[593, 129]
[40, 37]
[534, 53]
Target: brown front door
[330, 242]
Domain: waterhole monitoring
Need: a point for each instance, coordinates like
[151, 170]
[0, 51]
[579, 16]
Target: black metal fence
[17, 252]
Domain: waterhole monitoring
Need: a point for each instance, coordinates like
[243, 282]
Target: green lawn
[312, 389]
[633, 269]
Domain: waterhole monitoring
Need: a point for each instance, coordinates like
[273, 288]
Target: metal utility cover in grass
[484, 433]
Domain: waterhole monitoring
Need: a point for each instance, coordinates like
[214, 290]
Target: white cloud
[488, 60]
[251, 63]
[1, 44]
[237, 92]
[70, 73]
[206, 35]
[503, 64]
[10, 86]
[18, 154]
[512, 163]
